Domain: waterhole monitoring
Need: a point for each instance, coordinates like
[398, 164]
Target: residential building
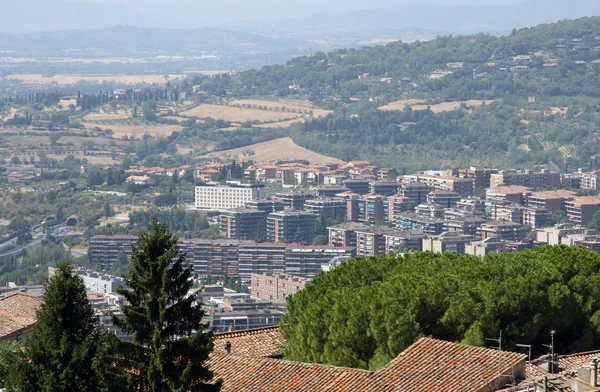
[446, 242]
[306, 261]
[415, 192]
[243, 224]
[481, 176]
[18, 315]
[100, 283]
[589, 180]
[485, 247]
[570, 181]
[554, 235]
[212, 258]
[445, 199]
[505, 211]
[472, 205]
[106, 249]
[430, 210]
[371, 241]
[275, 286]
[467, 225]
[581, 210]
[397, 205]
[218, 196]
[550, 200]
[404, 241]
[423, 224]
[384, 187]
[537, 217]
[368, 208]
[528, 178]
[516, 194]
[330, 190]
[266, 204]
[291, 225]
[344, 234]
[207, 174]
[237, 320]
[462, 186]
[331, 208]
[509, 231]
[385, 173]
[361, 187]
[260, 258]
[294, 200]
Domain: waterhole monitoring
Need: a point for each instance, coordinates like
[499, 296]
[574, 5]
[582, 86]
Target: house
[138, 180]
[17, 316]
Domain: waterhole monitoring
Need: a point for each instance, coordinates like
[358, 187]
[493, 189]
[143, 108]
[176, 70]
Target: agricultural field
[416, 104]
[120, 130]
[293, 106]
[283, 148]
[281, 124]
[105, 115]
[238, 115]
[73, 79]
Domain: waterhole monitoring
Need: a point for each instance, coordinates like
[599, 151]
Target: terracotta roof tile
[259, 342]
[17, 312]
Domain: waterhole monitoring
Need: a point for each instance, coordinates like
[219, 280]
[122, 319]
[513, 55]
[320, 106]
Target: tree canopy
[366, 311]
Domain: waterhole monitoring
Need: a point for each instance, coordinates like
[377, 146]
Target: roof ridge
[245, 332]
[19, 293]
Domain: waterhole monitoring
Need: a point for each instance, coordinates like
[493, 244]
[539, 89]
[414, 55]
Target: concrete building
[446, 199]
[462, 186]
[384, 187]
[481, 176]
[275, 286]
[435, 211]
[537, 217]
[106, 249]
[217, 196]
[589, 180]
[446, 242]
[294, 200]
[550, 200]
[237, 320]
[371, 241]
[243, 224]
[261, 258]
[291, 226]
[509, 231]
[404, 241]
[331, 208]
[516, 194]
[422, 224]
[581, 210]
[396, 205]
[535, 180]
[464, 224]
[266, 204]
[100, 283]
[360, 187]
[554, 235]
[212, 258]
[330, 190]
[306, 261]
[415, 192]
[505, 211]
[344, 234]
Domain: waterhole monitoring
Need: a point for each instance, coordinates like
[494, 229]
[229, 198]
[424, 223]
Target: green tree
[8, 362]
[595, 222]
[169, 348]
[559, 216]
[61, 348]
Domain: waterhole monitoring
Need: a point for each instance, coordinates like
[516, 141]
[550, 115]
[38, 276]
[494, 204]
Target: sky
[35, 15]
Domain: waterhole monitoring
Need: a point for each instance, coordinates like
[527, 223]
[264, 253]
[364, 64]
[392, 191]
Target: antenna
[528, 346]
[497, 340]
[551, 347]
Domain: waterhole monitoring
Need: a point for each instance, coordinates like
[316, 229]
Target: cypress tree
[60, 351]
[169, 350]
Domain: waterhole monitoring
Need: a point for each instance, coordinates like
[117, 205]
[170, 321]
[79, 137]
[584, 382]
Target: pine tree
[60, 351]
[169, 347]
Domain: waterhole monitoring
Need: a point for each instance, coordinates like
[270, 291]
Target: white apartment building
[100, 283]
[219, 196]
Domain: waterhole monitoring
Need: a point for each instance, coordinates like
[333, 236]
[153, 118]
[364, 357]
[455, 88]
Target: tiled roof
[247, 374]
[438, 366]
[17, 312]
[259, 342]
[572, 363]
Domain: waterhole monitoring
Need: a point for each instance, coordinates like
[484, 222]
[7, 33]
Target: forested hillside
[366, 311]
[541, 88]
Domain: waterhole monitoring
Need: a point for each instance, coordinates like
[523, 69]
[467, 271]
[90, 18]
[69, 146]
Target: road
[23, 247]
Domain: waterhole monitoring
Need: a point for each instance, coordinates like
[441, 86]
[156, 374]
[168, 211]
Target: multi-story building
[422, 224]
[509, 231]
[515, 193]
[330, 190]
[344, 234]
[537, 217]
[554, 235]
[404, 241]
[505, 211]
[445, 199]
[570, 181]
[291, 226]
[266, 204]
[462, 186]
[371, 241]
[550, 200]
[360, 187]
[306, 261]
[384, 187]
[467, 225]
[295, 200]
[238, 320]
[275, 286]
[481, 176]
[581, 210]
[472, 205]
[212, 258]
[106, 249]
[588, 180]
[369, 208]
[331, 208]
[415, 192]
[217, 196]
[446, 242]
[530, 179]
[260, 258]
[100, 283]
[430, 210]
[243, 224]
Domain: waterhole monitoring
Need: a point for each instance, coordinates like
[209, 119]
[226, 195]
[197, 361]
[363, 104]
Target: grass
[437, 108]
[104, 115]
[73, 79]
[233, 114]
[136, 130]
[283, 148]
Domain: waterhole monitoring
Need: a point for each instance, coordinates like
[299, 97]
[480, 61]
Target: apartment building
[266, 204]
[218, 196]
[275, 286]
[537, 217]
[550, 200]
[291, 225]
[467, 225]
[361, 187]
[368, 208]
[307, 261]
[330, 190]
[515, 193]
[480, 176]
[462, 186]
[294, 200]
[261, 258]
[384, 187]
[100, 283]
[445, 199]
[371, 241]
[446, 242]
[106, 249]
[505, 211]
[243, 224]
[212, 258]
[430, 210]
[535, 180]
[422, 224]
[404, 241]
[554, 235]
[581, 210]
[589, 180]
[397, 205]
[415, 192]
[509, 231]
[344, 234]
[325, 207]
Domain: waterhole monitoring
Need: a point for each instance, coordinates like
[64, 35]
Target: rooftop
[349, 226]
[259, 342]
[509, 189]
[556, 194]
[17, 311]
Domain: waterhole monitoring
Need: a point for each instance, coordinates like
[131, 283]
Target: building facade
[219, 196]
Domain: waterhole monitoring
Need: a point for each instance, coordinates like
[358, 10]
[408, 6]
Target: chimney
[228, 347]
[545, 384]
[594, 372]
